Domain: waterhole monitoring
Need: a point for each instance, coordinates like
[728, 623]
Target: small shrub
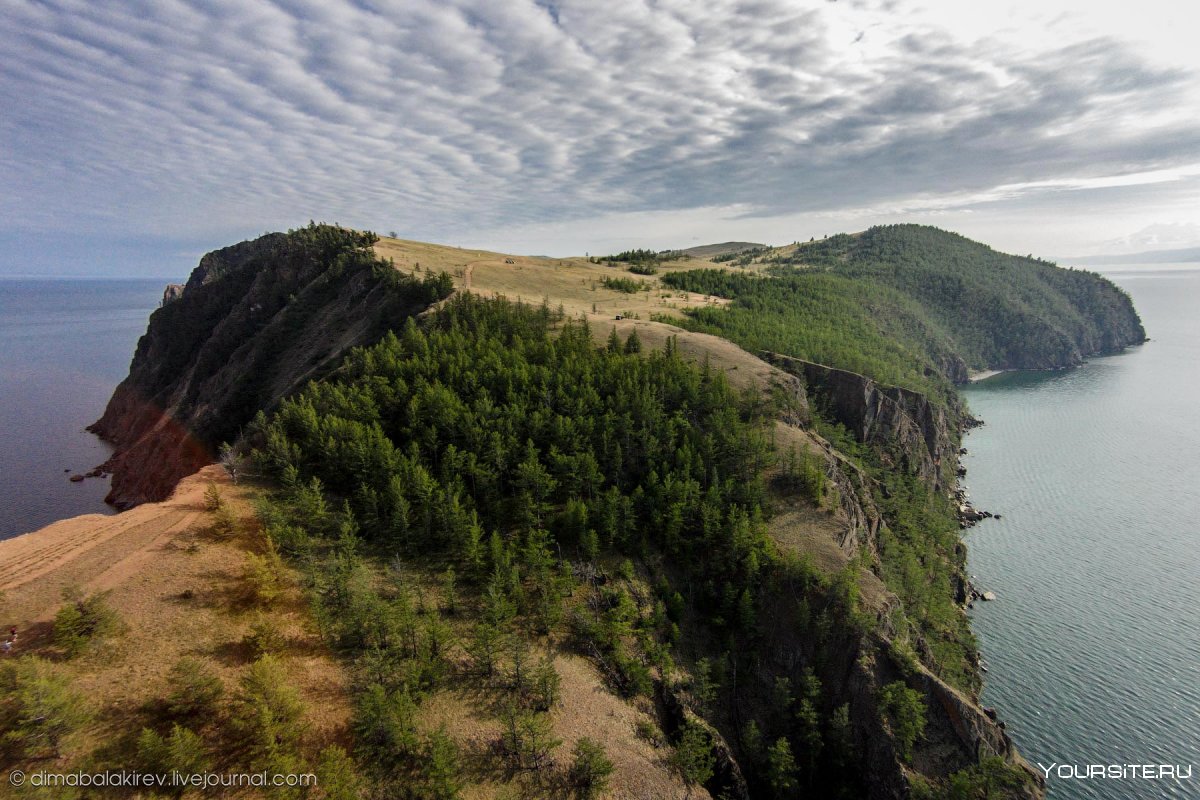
[225, 522]
[83, 622]
[213, 501]
[653, 734]
[193, 691]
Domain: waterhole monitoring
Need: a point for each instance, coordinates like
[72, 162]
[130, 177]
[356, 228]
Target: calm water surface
[64, 346]
[1094, 644]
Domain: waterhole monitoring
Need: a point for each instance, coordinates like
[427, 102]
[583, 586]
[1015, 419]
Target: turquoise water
[1093, 647]
[64, 346]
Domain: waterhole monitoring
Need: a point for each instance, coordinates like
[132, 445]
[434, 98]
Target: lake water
[1093, 645]
[64, 346]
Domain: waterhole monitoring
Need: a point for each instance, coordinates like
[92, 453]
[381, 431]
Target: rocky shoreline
[968, 517]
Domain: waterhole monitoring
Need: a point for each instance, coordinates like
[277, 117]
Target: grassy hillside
[170, 637]
[722, 249]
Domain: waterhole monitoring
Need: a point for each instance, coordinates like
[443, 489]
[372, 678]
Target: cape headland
[718, 487]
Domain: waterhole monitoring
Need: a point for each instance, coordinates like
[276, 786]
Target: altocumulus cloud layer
[442, 118]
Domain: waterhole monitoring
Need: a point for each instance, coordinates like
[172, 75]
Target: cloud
[444, 118]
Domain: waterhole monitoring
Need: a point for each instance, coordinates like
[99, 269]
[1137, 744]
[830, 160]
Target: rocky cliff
[253, 323]
[909, 430]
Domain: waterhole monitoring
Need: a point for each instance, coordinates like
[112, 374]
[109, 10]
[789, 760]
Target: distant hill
[903, 303]
[1185, 255]
[710, 250]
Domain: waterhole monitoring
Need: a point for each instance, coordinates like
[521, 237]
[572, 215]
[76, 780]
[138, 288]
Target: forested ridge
[902, 302]
[608, 502]
[605, 498]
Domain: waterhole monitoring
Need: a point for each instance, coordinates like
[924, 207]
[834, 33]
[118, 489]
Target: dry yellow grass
[588, 709]
[573, 283]
[176, 587]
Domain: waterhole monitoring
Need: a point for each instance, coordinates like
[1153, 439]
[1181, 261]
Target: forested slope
[916, 306]
[608, 503]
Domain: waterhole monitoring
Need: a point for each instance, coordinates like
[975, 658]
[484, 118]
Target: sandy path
[94, 552]
[177, 589]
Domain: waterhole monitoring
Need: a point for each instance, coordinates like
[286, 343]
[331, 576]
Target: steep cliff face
[254, 322]
[908, 432]
[905, 427]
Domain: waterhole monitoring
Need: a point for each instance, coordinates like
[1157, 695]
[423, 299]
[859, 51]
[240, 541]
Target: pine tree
[484, 648]
[337, 775]
[614, 341]
[781, 769]
[194, 691]
[443, 775]
[44, 710]
[545, 683]
[590, 769]
[693, 756]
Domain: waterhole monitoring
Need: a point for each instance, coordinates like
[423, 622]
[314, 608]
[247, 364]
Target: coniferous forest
[603, 499]
[915, 306]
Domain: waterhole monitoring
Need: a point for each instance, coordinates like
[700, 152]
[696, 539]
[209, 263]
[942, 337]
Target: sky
[135, 136]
